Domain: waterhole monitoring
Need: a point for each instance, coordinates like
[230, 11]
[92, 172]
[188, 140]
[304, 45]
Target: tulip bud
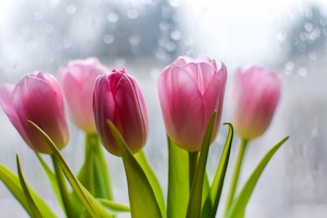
[37, 97]
[118, 98]
[255, 96]
[189, 92]
[77, 80]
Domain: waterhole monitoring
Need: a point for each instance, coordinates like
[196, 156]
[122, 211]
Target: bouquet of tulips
[110, 108]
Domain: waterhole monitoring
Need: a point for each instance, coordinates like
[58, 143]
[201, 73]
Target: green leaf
[212, 201]
[31, 204]
[143, 201]
[194, 205]
[114, 206]
[94, 174]
[91, 205]
[237, 209]
[178, 181]
[51, 177]
[12, 182]
[140, 157]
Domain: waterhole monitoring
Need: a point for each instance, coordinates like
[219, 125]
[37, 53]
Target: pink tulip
[118, 98]
[37, 97]
[254, 99]
[190, 90]
[77, 80]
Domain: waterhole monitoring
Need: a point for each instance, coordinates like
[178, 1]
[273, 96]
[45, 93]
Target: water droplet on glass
[176, 3]
[313, 56]
[303, 72]
[67, 43]
[176, 35]
[281, 37]
[134, 40]
[132, 14]
[108, 39]
[289, 68]
[113, 17]
[37, 16]
[170, 46]
[308, 26]
[48, 28]
[71, 9]
[314, 132]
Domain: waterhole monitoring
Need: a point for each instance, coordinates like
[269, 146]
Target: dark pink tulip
[77, 80]
[255, 96]
[118, 98]
[37, 97]
[190, 90]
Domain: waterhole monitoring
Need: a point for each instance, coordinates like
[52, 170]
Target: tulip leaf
[141, 158]
[143, 201]
[178, 181]
[12, 182]
[195, 201]
[238, 206]
[114, 206]
[213, 198]
[92, 206]
[51, 176]
[94, 174]
[30, 202]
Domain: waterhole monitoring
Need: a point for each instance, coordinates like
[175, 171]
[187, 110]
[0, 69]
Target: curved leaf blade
[143, 201]
[91, 205]
[141, 158]
[31, 204]
[11, 181]
[238, 206]
[213, 198]
[194, 205]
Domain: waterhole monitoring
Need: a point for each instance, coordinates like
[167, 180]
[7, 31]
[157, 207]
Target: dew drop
[108, 39]
[113, 17]
[303, 72]
[71, 9]
[134, 40]
[176, 35]
[132, 14]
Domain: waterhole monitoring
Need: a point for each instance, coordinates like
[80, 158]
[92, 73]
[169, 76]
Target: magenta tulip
[77, 80]
[255, 96]
[190, 90]
[37, 97]
[118, 98]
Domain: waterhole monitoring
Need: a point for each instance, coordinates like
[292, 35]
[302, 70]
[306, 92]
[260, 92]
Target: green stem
[100, 169]
[62, 187]
[192, 160]
[236, 173]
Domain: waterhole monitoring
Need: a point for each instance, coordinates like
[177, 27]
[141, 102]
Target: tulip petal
[6, 103]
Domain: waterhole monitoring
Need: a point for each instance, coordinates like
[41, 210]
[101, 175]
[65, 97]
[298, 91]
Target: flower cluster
[110, 108]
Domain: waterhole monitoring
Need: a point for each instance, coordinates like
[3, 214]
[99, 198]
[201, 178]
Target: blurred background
[286, 36]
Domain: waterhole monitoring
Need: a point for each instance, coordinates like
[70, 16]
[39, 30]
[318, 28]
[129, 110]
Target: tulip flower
[118, 98]
[77, 80]
[190, 90]
[254, 100]
[37, 97]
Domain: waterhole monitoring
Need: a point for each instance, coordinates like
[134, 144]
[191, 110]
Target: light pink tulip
[118, 98]
[255, 96]
[77, 80]
[190, 90]
[37, 97]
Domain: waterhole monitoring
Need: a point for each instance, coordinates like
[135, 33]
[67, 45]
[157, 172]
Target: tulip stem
[192, 160]
[100, 170]
[236, 173]
[62, 187]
